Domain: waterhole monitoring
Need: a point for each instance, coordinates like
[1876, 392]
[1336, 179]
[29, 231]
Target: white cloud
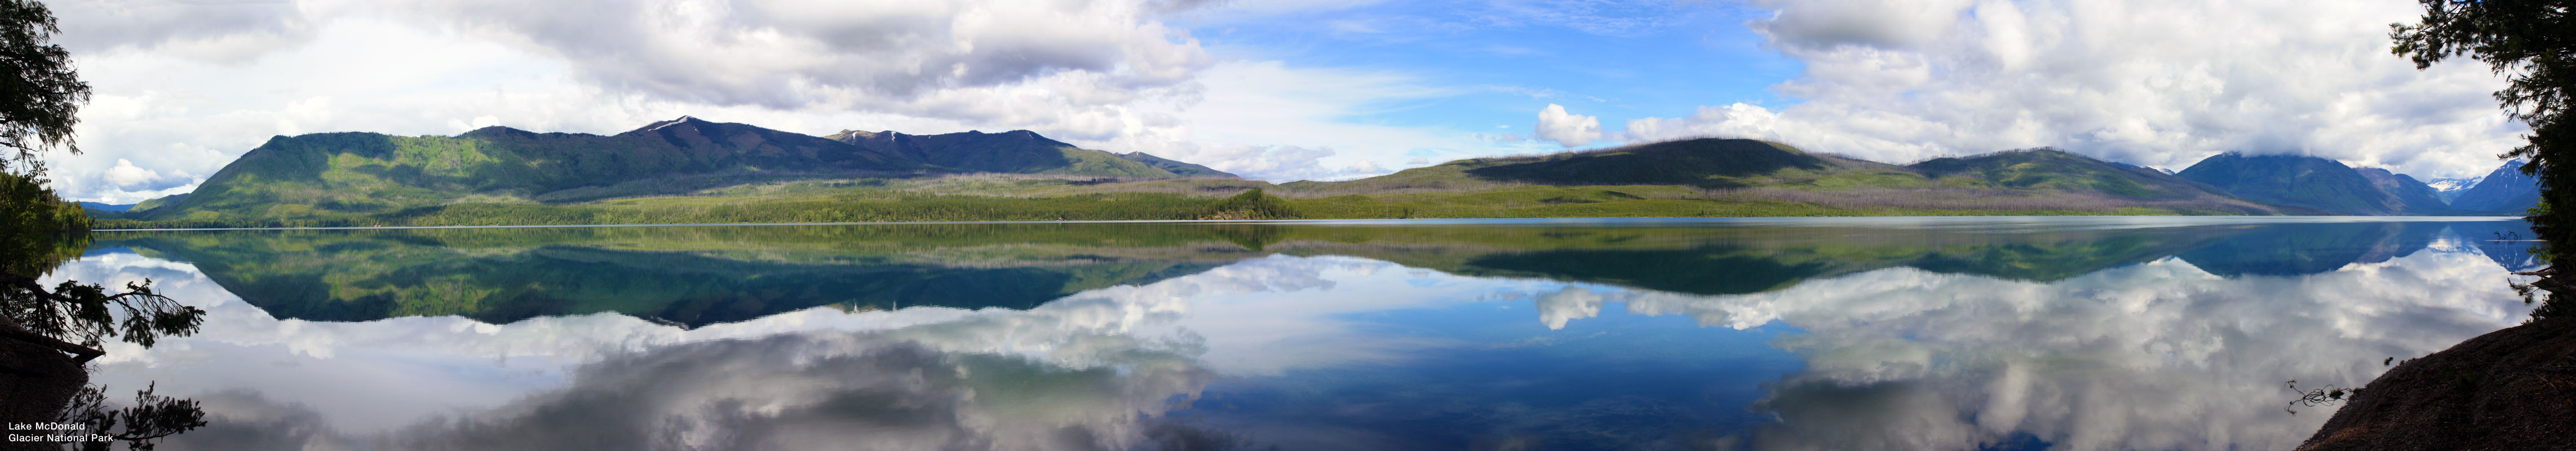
[125, 174]
[1873, 23]
[2150, 82]
[1569, 130]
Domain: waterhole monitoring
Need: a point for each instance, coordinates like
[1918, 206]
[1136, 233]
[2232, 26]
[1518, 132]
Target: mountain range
[103, 206]
[727, 172]
[2505, 191]
[361, 173]
[2034, 179]
[2302, 181]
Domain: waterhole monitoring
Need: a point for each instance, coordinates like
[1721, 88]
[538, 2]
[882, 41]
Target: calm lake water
[2083, 333]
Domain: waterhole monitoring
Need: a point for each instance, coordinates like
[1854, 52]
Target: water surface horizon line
[1746, 220]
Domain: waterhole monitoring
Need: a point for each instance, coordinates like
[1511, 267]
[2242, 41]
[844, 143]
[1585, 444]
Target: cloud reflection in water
[2155, 355]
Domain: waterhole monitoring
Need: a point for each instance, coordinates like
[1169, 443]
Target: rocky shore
[2512, 389]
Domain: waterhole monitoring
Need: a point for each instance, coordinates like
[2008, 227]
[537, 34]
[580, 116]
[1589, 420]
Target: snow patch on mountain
[2450, 189]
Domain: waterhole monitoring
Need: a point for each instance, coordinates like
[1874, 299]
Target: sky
[1285, 90]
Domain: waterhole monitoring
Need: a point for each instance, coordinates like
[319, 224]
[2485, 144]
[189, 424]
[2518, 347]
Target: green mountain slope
[2311, 182]
[2058, 171]
[1702, 162]
[338, 175]
[1697, 162]
[1017, 151]
[1750, 170]
[157, 202]
[324, 173]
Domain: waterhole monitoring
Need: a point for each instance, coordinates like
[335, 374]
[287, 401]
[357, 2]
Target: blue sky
[1628, 61]
[1284, 90]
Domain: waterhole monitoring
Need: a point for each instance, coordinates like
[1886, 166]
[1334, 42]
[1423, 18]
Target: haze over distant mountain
[2448, 189]
[2506, 191]
[2405, 187]
[376, 173]
[2311, 182]
[1182, 168]
[103, 206]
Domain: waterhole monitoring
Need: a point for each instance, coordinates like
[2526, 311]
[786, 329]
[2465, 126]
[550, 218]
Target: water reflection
[2155, 356]
[2024, 333]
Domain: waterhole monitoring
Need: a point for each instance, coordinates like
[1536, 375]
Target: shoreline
[1412, 221]
[2509, 389]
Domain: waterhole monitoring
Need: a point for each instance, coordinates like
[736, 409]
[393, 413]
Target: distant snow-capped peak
[2453, 184]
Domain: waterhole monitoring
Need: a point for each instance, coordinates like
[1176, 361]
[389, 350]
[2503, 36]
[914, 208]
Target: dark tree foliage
[88, 314]
[38, 230]
[2533, 42]
[150, 418]
[37, 227]
[40, 98]
[39, 93]
[1250, 205]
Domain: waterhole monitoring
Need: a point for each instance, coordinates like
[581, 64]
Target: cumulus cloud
[1731, 121]
[1829, 23]
[2150, 82]
[126, 176]
[1569, 130]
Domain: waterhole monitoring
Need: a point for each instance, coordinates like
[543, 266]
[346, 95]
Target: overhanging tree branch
[88, 313]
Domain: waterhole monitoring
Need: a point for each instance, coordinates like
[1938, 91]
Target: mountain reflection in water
[1870, 333]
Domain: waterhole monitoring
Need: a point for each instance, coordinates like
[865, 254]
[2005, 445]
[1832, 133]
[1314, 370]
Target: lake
[2077, 333]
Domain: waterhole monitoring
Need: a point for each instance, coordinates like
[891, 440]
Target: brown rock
[2512, 389]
